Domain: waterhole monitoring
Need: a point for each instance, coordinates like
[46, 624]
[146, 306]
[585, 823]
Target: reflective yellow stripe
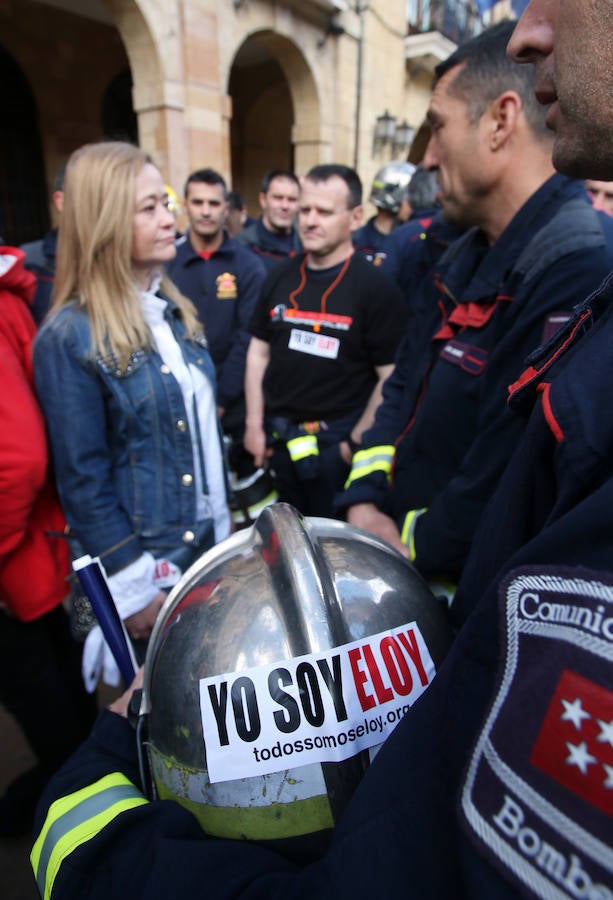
[301, 447]
[372, 459]
[75, 819]
[440, 587]
[407, 535]
[254, 509]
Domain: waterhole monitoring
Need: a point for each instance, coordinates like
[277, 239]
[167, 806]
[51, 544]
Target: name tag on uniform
[471, 359]
[315, 344]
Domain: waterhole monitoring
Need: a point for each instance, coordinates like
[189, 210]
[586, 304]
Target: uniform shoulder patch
[538, 794]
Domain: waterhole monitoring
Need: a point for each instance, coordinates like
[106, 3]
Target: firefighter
[223, 281]
[324, 335]
[273, 237]
[443, 435]
[389, 193]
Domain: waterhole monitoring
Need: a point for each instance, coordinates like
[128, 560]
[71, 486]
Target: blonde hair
[94, 264]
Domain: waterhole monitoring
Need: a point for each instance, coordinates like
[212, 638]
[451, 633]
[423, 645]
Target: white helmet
[279, 663]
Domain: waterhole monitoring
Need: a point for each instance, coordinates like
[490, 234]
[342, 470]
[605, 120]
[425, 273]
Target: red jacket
[33, 564]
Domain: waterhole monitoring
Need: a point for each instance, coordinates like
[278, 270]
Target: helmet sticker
[322, 707]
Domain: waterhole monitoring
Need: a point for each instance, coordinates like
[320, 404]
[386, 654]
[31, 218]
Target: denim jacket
[121, 443]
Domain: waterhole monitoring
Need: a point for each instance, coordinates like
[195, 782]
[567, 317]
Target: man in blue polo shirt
[223, 280]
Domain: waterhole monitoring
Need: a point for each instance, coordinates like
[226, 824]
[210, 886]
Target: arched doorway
[262, 119]
[272, 90]
[152, 38]
[24, 214]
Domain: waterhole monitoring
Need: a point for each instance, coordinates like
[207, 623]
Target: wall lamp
[385, 129]
[389, 132]
[403, 138]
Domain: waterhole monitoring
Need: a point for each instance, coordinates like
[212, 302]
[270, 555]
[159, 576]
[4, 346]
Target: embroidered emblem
[538, 795]
[376, 257]
[575, 743]
[226, 286]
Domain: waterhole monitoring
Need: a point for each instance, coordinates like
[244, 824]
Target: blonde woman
[127, 387]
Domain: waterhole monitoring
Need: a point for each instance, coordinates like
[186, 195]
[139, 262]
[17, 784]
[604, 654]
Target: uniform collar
[540, 363]
[187, 254]
[479, 275]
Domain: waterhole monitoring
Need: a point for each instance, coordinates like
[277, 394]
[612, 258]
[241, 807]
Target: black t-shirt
[328, 330]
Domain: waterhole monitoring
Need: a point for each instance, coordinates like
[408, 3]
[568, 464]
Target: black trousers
[41, 686]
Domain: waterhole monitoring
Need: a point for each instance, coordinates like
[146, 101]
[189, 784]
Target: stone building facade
[239, 85]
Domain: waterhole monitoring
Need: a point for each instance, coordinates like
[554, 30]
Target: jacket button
[181, 425]
[164, 369]
[187, 479]
[188, 537]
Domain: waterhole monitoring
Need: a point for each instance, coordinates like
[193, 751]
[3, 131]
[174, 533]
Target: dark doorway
[24, 212]
[262, 119]
[119, 121]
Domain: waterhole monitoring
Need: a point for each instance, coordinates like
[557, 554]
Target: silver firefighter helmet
[390, 184]
[279, 664]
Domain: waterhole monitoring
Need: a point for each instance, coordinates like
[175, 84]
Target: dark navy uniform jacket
[40, 259]
[224, 288]
[443, 435]
[371, 242]
[415, 247]
[497, 783]
[559, 485]
[271, 248]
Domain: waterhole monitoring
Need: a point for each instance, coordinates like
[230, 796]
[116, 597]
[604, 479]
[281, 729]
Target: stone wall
[69, 62]
[238, 87]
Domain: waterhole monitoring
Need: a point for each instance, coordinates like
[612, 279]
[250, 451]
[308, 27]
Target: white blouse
[201, 416]
[134, 586]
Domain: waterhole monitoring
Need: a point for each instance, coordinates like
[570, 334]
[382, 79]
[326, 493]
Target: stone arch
[276, 120]
[152, 41]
